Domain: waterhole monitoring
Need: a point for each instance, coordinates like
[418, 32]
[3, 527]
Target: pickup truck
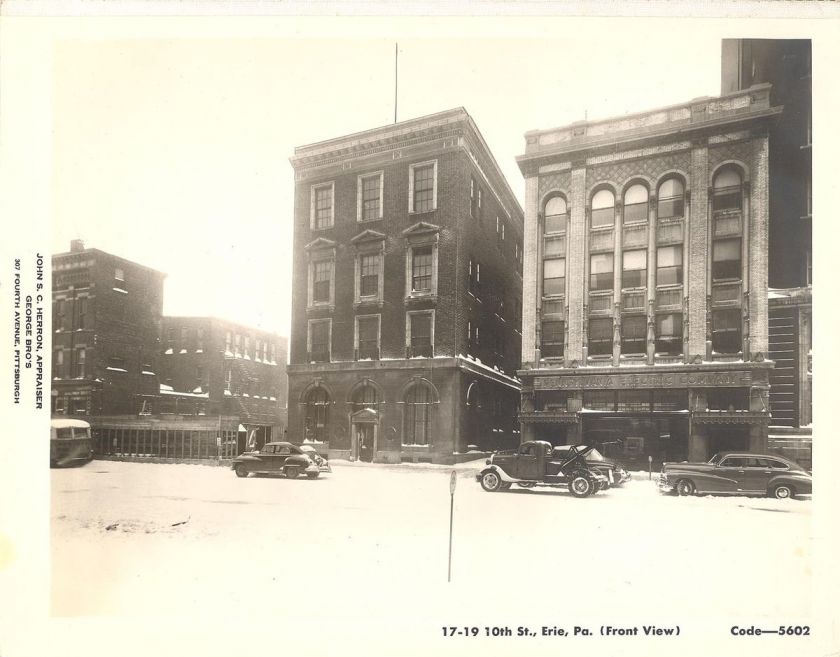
[535, 464]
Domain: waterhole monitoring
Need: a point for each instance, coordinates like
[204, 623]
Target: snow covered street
[131, 538]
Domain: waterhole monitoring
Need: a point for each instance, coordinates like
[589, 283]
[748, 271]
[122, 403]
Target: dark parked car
[737, 473]
[281, 458]
[612, 470]
[534, 464]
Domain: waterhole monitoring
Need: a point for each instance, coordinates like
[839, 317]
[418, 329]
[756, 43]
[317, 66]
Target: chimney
[77, 245]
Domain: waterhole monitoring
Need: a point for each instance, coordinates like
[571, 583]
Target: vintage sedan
[737, 473]
[614, 471]
[281, 458]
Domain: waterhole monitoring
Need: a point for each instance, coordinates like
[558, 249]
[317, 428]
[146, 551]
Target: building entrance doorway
[365, 433]
[728, 439]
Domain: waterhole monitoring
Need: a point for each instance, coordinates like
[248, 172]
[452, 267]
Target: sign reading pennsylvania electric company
[652, 380]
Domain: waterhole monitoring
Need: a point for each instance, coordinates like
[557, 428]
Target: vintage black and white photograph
[365, 336]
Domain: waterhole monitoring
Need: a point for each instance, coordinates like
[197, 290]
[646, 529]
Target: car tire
[527, 484]
[685, 487]
[292, 472]
[241, 470]
[312, 475]
[491, 481]
[783, 492]
[505, 485]
[581, 486]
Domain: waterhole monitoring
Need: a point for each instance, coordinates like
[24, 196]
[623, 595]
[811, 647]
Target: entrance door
[364, 440]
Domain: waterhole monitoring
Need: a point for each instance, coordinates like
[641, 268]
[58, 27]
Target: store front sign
[652, 380]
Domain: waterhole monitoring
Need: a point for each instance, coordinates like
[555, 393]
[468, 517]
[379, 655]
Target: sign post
[650, 467]
[452, 481]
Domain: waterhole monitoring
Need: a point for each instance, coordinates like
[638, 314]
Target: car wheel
[685, 487]
[581, 486]
[241, 470]
[292, 472]
[312, 475]
[491, 481]
[527, 484]
[505, 485]
[782, 492]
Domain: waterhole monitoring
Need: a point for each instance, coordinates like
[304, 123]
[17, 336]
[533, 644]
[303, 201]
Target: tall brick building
[106, 321]
[645, 279]
[210, 366]
[786, 65]
[406, 300]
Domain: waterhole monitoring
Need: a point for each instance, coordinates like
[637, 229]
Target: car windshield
[715, 459]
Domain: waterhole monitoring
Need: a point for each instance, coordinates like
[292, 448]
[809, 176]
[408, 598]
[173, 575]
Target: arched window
[417, 423]
[671, 199]
[556, 215]
[365, 396]
[727, 190]
[317, 413]
[603, 208]
[635, 204]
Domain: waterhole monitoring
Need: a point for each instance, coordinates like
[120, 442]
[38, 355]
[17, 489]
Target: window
[228, 343]
[58, 312]
[726, 259]
[322, 206]
[199, 343]
[321, 281]
[671, 199]
[636, 204]
[58, 363]
[601, 271]
[228, 376]
[317, 413]
[554, 276]
[633, 401]
[421, 269]
[119, 275]
[726, 331]
[727, 190]
[599, 400]
[475, 277]
[365, 397]
[81, 312]
[319, 341]
[669, 338]
[237, 345]
[554, 246]
[670, 400]
[423, 183]
[600, 336]
[603, 209]
[669, 270]
[634, 334]
[418, 411]
[116, 363]
[634, 272]
[79, 366]
[369, 275]
[556, 215]
[272, 353]
[367, 337]
[247, 350]
[369, 190]
[724, 399]
[552, 338]
[420, 334]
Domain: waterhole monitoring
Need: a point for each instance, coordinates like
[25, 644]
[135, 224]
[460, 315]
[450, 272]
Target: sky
[173, 152]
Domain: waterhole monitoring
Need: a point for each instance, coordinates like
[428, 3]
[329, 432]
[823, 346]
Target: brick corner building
[645, 280]
[406, 294]
[106, 321]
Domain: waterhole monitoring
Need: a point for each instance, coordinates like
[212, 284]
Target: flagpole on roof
[396, 70]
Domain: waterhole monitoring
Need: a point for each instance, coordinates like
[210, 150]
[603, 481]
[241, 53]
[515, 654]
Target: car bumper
[666, 486]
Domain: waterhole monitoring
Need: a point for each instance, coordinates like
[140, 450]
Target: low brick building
[406, 293]
[645, 279]
[106, 323]
[210, 366]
